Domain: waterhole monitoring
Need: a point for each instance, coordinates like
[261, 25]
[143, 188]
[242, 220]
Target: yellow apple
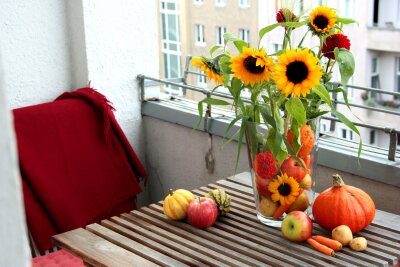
[267, 207]
[306, 182]
[301, 203]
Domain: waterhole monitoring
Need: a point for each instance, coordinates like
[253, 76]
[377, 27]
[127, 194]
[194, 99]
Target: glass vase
[294, 181]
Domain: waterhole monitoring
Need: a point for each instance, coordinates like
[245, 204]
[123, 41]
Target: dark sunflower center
[250, 64]
[284, 190]
[321, 22]
[296, 72]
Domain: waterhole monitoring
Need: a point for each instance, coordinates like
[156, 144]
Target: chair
[77, 166]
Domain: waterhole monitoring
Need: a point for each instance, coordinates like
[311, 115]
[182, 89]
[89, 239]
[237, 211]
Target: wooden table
[145, 237]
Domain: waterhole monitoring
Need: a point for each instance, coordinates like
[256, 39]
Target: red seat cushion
[59, 258]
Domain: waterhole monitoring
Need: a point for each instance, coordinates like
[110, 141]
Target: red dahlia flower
[285, 15]
[335, 40]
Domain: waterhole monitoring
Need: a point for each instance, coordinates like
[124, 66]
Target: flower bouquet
[289, 92]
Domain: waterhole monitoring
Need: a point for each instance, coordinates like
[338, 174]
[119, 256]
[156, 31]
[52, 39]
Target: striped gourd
[222, 199]
[176, 204]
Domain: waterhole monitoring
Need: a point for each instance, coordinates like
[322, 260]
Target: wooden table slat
[182, 251]
[218, 249]
[133, 246]
[153, 244]
[97, 251]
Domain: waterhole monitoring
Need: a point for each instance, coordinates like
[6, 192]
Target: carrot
[280, 210]
[333, 244]
[321, 248]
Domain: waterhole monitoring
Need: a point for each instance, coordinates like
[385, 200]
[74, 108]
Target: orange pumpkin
[343, 204]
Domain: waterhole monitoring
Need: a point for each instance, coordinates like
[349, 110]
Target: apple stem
[171, 192]
[337, 180]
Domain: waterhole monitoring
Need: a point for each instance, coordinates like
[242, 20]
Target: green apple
[297, 226]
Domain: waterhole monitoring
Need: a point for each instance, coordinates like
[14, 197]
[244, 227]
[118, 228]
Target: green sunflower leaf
[230, 37]
[267, 29]
[349, 124]
[215, 101]
[346, 20]
[215, 48]
[323, 93]
[231, 125]
[239, 45]
[346, 64]
[240, 139]
[295, 108]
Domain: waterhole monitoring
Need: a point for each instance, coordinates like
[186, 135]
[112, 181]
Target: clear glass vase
[280, 188]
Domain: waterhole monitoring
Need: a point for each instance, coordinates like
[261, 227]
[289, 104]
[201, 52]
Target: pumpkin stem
[171, 192]
[337, 180]
[199, 198]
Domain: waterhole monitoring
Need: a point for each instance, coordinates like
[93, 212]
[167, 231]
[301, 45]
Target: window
[220, 2]
[171, 44]
[348, 8]
[398, 74]
[200, 35]
[299, 7]
[244, 3]
[245, 35]
[321, 2]
[199, 2]
[346, 134]
[201, 79]
[372, 137]
[274, 47]
[220, 35]
[376, 12]
[374, 75]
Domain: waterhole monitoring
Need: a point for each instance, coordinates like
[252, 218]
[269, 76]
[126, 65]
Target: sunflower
[322, 20]
[284, 189]
[297, 71]
[210, 70]
[252, 66]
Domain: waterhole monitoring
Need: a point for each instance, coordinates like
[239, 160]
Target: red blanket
[76, 164]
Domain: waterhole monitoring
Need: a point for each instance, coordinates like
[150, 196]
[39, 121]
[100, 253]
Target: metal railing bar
[365, 125]
[368, 108]
[370, 89]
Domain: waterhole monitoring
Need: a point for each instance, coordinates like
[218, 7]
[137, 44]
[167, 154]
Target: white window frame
[199, 31]
[397, 82]
[244, 3]
[167, 44]
[274, 47]
[220, 35]
[375, 137]
[220, 3]
[244, 34]
[201, 79]
[375, 74]
[349, 134]
[349, 10]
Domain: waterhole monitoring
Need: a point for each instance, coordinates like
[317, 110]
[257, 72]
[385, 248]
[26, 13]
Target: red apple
[202, 212]
[306, 182]
[262, 186]
[297, 226]
[292, 168]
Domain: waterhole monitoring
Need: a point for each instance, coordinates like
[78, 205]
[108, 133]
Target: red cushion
[59, 258]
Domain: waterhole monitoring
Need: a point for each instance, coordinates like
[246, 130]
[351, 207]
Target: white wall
[54, 46]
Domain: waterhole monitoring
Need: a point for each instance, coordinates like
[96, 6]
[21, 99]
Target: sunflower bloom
[284, 189]
[209, 69]
[296, 72]
[322, 20]
[252, 66]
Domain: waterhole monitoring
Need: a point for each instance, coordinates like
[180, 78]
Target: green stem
[286, 127]
[304, 37]
[321, 43]
[327, 65]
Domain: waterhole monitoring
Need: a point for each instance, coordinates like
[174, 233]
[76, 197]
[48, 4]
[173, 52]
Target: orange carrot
[320, 247]
[280, 210]
[333, 244]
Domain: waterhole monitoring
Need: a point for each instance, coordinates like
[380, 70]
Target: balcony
[176, 154]
[383, 39]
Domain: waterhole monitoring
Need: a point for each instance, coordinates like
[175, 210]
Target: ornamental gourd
[222, 199]
[176, 203]
[343, 204]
